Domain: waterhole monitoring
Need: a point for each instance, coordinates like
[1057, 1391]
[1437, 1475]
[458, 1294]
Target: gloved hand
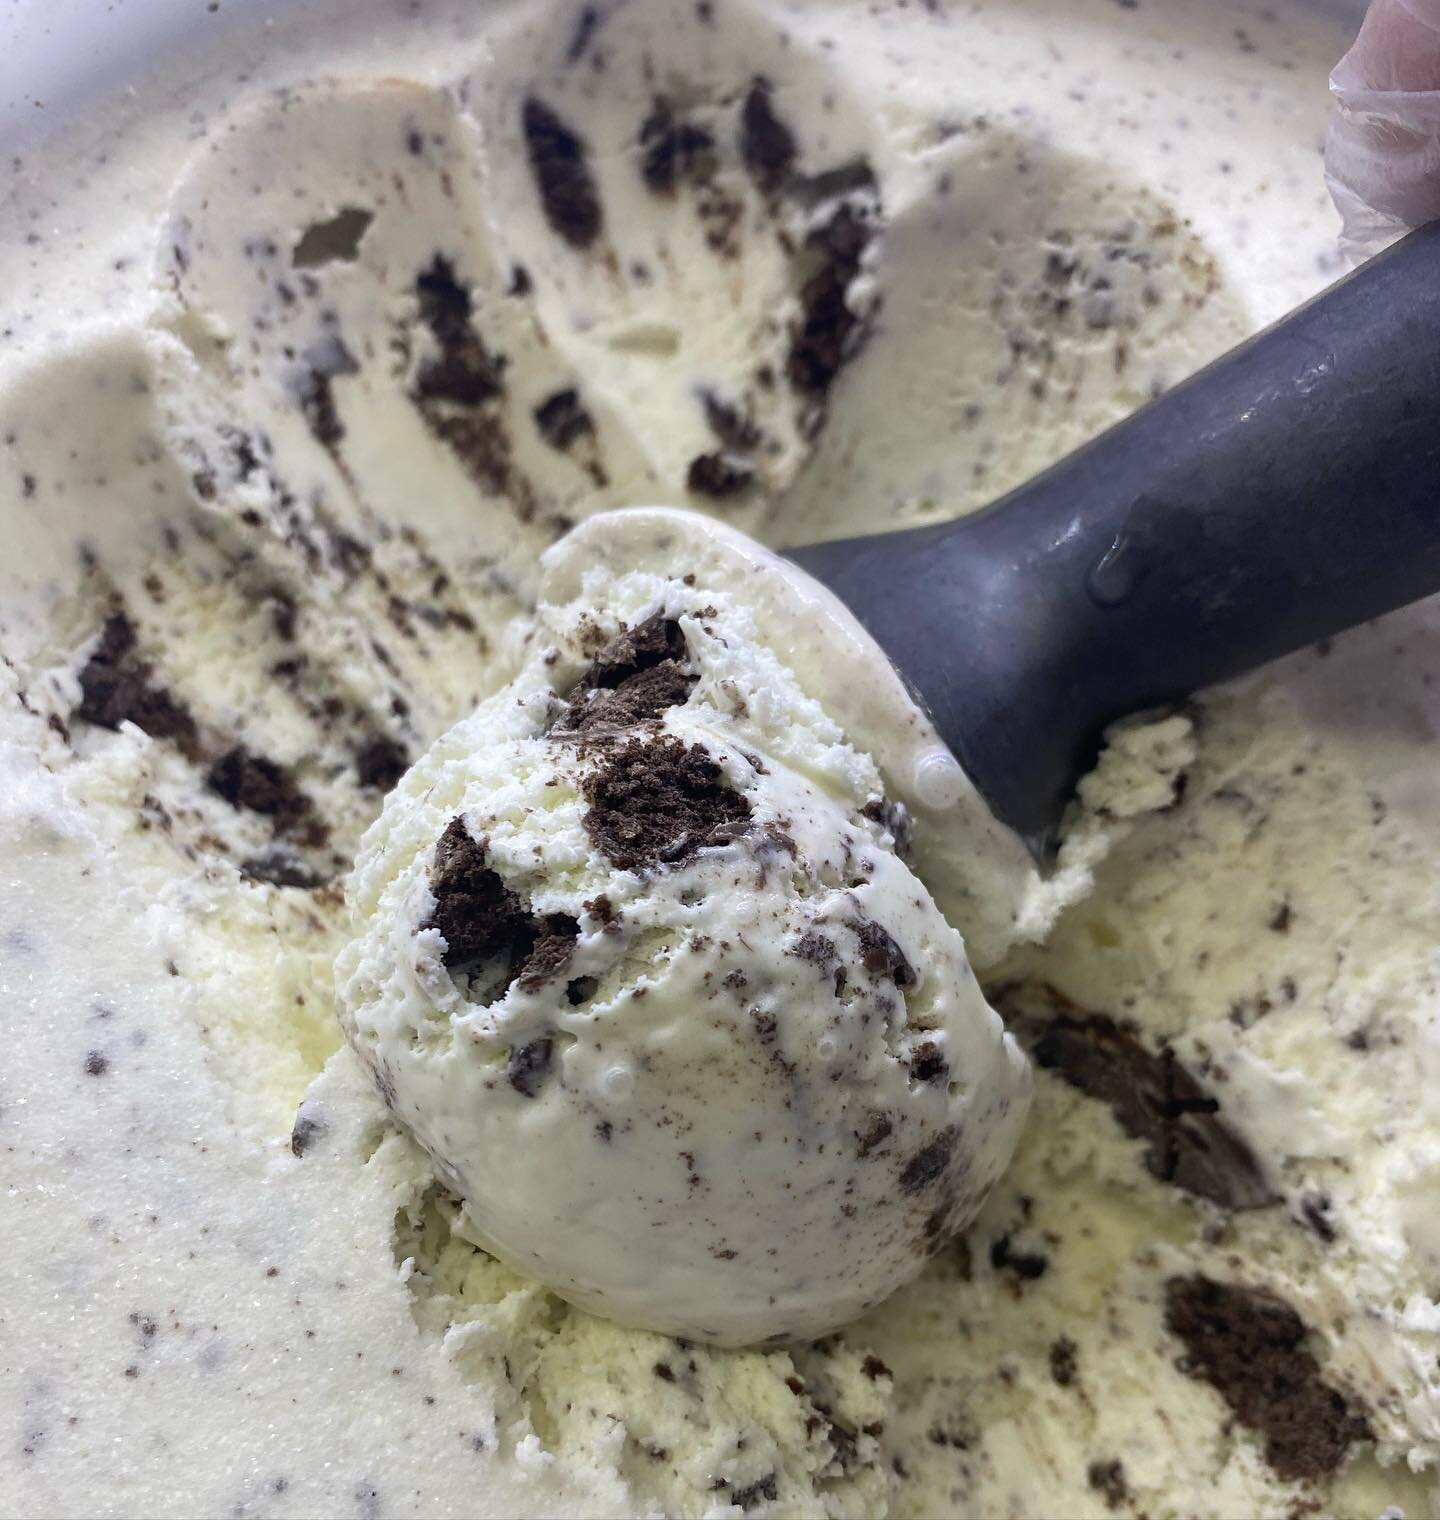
[1382, 154]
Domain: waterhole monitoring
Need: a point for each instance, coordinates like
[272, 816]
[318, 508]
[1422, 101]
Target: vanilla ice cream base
[220, 1305]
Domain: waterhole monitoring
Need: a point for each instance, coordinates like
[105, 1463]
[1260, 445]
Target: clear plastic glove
[1382, 155]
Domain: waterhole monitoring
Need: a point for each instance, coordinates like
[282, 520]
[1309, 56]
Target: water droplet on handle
[939, 781]
[1115, 574]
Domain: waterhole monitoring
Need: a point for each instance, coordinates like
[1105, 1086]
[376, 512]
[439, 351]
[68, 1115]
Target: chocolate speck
[484, 923]
[311, 384]
[602, 910]
[306, 1131]
[816, 947]
[477, 913]
[1315, 1208]
[734, 428]
[1064, 1360]
[895, 817]
[877, 1129]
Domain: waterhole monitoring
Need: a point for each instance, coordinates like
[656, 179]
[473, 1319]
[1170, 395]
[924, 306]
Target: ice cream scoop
[1285, 493]
[640, 960]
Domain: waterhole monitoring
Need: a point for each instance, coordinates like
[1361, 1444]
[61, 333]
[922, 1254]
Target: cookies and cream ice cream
[641, 925]
[313, 341]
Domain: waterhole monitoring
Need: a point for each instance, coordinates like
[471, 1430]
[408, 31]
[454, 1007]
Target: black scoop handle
[1288, 491]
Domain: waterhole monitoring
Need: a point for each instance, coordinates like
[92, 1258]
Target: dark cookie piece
[928, 1063]
[484, 922]
[380, 763]
[529, 1065]
[314, 391]
[116, 688]
[480, 917]
[281, 869]
[895, 817]
[587, 23]
[1250, 1347]
[767, 145]
[828, 331]
[655, 802]
[465, 373]
[881, 955]
[1108, 1480]
[1154, 1098]
[750, 1496]
[929, 1164]
[735, 428]
[252, 782]
[1025, 1266]
[719, 474]
[456, 392]
[558, 161]
[633, 680]
[1064, 1360]
[562, 420]
[311, 1121]
[632, 650]
[673, 149]
[878, 1129]
[640, 698]
[554, 946]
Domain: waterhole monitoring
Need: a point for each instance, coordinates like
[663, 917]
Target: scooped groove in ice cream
[639, 960]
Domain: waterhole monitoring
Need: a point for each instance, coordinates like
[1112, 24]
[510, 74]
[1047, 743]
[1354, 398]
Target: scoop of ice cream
[639, 961]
